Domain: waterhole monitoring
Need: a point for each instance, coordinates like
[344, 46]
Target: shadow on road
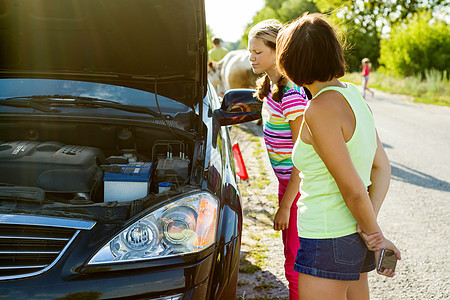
[408, 175]
[386, 146]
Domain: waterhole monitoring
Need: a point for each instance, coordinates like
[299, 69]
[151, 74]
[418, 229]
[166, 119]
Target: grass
[433, 89]
[275, 234]
[241, 283]
[273, 199]
[245, 266]
[259, 255]
[248, 268]
[263, 182]
[254, 260]
[264, 286]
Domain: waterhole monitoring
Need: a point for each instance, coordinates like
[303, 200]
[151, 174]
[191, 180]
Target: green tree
[266, 13]
[292, 9]
[361, 42]
[378, 14]
[209, 35]
[274, 4]
[418, 45]
[365, 22]
[282, 10]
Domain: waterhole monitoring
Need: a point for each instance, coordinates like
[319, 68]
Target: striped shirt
[277, 131]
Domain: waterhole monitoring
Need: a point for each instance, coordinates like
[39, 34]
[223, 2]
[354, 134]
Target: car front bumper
[187, 282]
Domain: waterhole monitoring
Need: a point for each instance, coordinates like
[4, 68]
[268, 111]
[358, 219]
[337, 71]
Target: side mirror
[238, 106]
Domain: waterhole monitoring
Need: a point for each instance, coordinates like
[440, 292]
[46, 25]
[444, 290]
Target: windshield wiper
[36, 102]
[27, 102]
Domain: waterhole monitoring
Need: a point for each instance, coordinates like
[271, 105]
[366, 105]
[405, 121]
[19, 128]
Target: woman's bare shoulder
[325, 106]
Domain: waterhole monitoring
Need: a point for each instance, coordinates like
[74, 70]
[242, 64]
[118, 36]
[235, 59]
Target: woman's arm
[281, 221]
[380, 177]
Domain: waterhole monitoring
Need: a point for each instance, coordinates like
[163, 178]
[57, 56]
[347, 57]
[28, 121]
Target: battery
[126, 182]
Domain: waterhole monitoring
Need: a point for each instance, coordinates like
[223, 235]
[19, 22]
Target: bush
[420, 44]
[435, 80]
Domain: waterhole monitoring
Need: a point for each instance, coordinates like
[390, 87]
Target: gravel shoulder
[261, 271]
[414, 215]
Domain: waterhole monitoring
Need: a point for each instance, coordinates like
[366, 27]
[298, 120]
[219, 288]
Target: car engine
[51, 166]
[80, 174]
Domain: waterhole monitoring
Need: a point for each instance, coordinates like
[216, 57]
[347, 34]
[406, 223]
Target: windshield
[32, 87]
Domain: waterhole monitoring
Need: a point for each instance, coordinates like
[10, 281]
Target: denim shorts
[342, 258]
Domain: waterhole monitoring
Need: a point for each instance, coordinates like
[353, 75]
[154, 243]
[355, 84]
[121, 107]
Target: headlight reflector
[186, 225]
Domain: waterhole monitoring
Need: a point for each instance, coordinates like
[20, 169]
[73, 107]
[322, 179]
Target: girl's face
[262, 58]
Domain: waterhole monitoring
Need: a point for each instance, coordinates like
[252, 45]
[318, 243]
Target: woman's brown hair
[267, 31]
[310, 49]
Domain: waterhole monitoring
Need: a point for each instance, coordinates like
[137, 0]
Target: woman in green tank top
[345, 171]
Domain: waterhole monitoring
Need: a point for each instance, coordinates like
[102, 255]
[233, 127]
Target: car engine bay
[82, 167]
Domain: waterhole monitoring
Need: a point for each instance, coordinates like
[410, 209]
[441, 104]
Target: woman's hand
[372, 241]
[281, 221]
[388, 245]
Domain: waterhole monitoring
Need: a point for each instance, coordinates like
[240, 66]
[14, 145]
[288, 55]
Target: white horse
[232, 71]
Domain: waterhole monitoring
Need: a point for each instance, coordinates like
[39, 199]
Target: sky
[228, 18]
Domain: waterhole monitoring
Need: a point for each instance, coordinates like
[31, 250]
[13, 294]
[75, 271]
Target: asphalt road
[416, 212]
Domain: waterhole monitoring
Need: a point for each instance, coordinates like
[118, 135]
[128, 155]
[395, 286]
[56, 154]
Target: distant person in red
[365, 73]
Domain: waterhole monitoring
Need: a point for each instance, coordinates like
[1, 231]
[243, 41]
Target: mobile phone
[388, 260]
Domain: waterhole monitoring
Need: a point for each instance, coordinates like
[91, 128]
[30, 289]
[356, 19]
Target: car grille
[31, 245]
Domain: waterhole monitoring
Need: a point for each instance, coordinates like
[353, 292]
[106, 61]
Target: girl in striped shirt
[283, 107]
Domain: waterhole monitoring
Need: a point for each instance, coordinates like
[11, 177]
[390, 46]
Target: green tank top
[322, 212]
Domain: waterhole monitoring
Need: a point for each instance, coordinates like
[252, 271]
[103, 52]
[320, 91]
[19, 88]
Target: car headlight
[186, 225]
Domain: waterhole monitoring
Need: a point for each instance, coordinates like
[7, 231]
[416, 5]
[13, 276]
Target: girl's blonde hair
[267, 31]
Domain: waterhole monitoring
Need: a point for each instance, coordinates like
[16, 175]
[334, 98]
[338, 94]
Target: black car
[116, 177]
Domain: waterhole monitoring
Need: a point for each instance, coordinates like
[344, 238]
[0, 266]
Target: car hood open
[143, 44]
